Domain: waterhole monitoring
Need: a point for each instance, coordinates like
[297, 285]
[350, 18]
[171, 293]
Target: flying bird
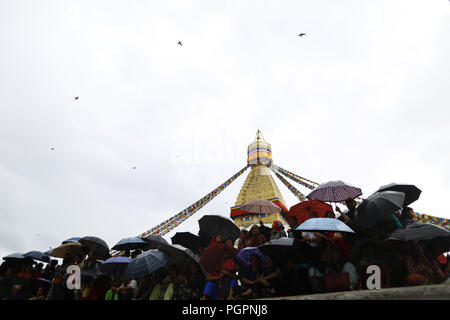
[76, 98]
[179, 42]
[302, 34]
[134, 168]
[52, 149]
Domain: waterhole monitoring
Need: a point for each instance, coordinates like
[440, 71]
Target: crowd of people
[317, 262]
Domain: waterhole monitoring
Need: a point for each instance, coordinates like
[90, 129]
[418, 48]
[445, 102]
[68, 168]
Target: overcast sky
[363, 97]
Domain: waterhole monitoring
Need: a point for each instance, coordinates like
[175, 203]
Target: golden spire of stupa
[259, 184]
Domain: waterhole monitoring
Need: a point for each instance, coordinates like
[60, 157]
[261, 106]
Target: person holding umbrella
[407, 216]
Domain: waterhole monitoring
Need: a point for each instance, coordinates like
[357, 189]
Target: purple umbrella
[334, 191]
[244, 257]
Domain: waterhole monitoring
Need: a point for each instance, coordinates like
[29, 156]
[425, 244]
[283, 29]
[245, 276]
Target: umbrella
[303, 209]
[412, 193]
[180, 256]
[44, 280]
[244, 256]
[260, 206]
[430, 234]
[37, 255]
[186, 239]
[378, 206]
[130, 244]
[73, 239]
[17, 257]
[281, 247]
[95, 244]
[73, 248]
[154, 241]
[146, 263]
[115, 265]
[211, 225]
[419, 231]
[324, 224]
[334, 191]
[214, 255]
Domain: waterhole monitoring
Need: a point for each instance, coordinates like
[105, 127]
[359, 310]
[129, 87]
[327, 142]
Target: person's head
[40, 292]
[193, 268]
[134, 254]
[218, 238]
[350, 203]
[182, 276]
[28, 268]
[229, 242]
[254, 230]
[53, 263]
[173, 271]
[77, 259]
[330, 214]
[408, 212]
[292, 221]
[67, 258]
[313, 214]
[255, 263]
[198, 249]
[277, 225]
[126, 253]
[244, 234]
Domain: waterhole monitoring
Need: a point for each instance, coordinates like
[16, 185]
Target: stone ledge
[439, 291]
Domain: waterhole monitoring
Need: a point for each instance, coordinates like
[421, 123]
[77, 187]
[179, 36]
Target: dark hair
[293, 217]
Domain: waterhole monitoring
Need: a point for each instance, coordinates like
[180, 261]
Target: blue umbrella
[244, 257]
[324, 224]
[115, 265]
[37, 255]
[73, 239]
[130, 244]
[146, 263]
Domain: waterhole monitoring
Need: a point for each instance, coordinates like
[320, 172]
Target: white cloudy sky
[363, 97]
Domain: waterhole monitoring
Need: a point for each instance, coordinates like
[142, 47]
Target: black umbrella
[212, 225]
[154, 242]
[180, 256]
[419, 231]
[430, 234]
[37, 255]
[186, 239]
[412, 193]
[99, 246]
[281, 247]
[379, 206]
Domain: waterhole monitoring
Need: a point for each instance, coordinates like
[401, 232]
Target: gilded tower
[259, 185]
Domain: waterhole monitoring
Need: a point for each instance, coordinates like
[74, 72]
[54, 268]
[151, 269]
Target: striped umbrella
[146, 263]
[334, 191]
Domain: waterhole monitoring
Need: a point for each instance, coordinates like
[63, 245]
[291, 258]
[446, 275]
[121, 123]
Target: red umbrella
[303, 209]
[214, 254]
